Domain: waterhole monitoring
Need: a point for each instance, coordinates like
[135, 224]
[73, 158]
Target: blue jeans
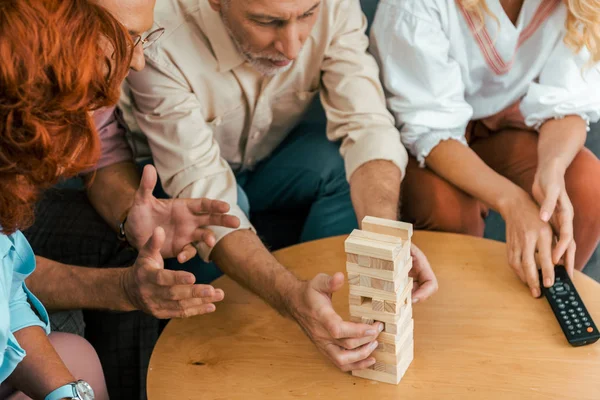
[305, 172]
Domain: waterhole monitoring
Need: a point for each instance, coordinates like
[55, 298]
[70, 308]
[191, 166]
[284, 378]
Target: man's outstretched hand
[183, 220]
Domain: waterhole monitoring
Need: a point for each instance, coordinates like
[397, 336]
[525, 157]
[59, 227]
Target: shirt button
[218, 121]
[302, 96]
[255, 135]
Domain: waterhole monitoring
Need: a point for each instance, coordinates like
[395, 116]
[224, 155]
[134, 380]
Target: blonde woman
[493, 99]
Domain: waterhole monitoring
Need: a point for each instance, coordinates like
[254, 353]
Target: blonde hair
[582, 24]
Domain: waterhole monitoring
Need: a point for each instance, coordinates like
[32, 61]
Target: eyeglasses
[149, 39]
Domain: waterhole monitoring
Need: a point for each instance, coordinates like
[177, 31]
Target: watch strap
[64, 392]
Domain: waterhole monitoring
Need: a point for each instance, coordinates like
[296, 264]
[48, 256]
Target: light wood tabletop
[481, 336]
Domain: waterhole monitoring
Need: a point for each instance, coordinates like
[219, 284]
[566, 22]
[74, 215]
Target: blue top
[17, 262]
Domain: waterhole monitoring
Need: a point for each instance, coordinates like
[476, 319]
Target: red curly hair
[59, 61]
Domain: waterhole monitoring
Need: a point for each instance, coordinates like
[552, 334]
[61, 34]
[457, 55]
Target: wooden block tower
[377, 262]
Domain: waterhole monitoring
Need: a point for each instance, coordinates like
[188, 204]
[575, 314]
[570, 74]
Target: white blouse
[440, 71]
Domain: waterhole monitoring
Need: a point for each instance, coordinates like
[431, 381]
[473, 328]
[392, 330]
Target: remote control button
[579, 309]
[572, 333]
[576, 320]
[588, 324]
[574, 303]
[578, 332]
[563, 312]
[552, 292]
[560, 288]
[571, 311]
[572, 298]
[582, 314]
[561, 306]
[558, 301]
[584, 319]
[590, 329]
[579, 326]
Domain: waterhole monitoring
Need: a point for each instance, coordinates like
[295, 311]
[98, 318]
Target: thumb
[328, 284]
[147, 184]
[549, 204]
[152, 247]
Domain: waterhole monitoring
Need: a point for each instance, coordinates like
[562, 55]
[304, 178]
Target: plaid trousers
[67, 229]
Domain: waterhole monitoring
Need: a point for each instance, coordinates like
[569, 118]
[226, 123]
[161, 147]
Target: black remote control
[570, 311]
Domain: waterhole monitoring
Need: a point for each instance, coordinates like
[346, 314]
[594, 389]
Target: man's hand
[347, 344]
[182, 219]
[424, 281]
[163, 293]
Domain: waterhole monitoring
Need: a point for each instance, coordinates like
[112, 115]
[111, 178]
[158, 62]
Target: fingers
[151, 250]
[204, 235]
[344, 359]
[549, 205]
[423, 274]
[515, 255]
[425, 290]
[207, 206]
[165, 277]
[328, 284]
[545, 257]
[369, 336]
[566, 215]
[528, 265]
[187, 312]
[570, 258]
[147, 184]
[187, 253]
[204, 293]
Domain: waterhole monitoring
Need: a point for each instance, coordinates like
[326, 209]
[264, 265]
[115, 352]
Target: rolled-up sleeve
[424, 86]
[353, 98]
[21, 313]
[185, 153]
[567, 85]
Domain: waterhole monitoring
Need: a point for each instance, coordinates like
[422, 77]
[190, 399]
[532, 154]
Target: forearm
[42, 370]
[560, 140]
[63, 287]
[459, 165]
[375, 190]
[112, 191]
[243, 257]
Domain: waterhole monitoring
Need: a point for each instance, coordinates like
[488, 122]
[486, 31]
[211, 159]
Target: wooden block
[364, 261]
[377, 305]
[366, 310]
[390, 306]
[399, 229]
[377, 376]
[352, 258]
[399, 296]
[406, 323]
[405, 337]
[353, 279]
[362, 320]
[388, 373]
[381, 284]
[373, 245]
[355, 300]
[372, 272]
[382, 264]
[365, 281]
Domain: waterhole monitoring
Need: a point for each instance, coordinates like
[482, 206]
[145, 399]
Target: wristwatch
[80, 390]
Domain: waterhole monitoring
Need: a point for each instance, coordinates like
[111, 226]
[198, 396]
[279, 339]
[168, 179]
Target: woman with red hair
[59, 62]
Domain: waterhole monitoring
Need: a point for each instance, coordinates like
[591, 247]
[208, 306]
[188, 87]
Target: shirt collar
[6, 244]
[227, 54]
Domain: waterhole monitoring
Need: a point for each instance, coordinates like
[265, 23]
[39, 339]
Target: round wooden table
[482, 336]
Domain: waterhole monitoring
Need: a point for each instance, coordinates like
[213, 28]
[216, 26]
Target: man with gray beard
[221, 103]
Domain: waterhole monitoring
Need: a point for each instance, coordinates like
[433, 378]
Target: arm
[112, 189]
[64, 287]
[560, 105]
[42, 370]
[426, 96]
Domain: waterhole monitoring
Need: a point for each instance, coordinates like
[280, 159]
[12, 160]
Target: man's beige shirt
[207, 113]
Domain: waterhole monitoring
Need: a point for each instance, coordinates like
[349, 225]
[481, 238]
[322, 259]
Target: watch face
[84, 390]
